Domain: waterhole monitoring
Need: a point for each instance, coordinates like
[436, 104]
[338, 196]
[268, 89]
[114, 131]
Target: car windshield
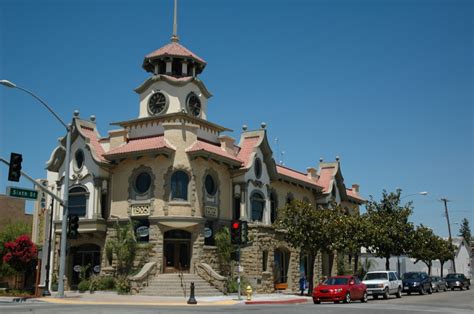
[335, 281]
[411, 276]
[453, 276]
[374, 276]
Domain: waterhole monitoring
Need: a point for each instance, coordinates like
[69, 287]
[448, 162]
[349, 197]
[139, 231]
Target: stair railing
[181, 277]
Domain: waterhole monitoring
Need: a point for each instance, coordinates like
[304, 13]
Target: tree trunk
[387, 263]
[442, 265]
[356, 263]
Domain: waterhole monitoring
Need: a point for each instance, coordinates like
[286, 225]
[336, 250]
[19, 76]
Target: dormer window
[78, 159]
[258, 168]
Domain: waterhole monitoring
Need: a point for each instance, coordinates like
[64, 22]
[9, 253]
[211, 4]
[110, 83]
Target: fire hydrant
[249, 293]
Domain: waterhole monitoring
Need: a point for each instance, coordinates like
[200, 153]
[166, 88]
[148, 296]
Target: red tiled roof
[211, 148]
[94, 142]
[296, 175]
[247, 148]
[174, 49]
[354, 195]
[140, 145]
[325, 177]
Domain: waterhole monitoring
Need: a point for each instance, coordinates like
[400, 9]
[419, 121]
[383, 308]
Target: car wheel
[316, 302]
[445, 289]
[336, 302]
[385, 294]
[430, 290]
[399, 293]
[452, 289]
[461, 288]
[409, 293]
[437, 288]
[375, 296]
[468, 287]
[422, 290]
[364, 297]
[347, 299]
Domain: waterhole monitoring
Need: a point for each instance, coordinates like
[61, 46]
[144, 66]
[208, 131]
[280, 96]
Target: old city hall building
[179, 179]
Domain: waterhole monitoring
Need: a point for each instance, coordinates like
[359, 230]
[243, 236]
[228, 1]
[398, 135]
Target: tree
[224, 250]
[124, 247]
[426, 246]
[446, 253]
[21, 255]
[465, 231]
[389, 232]
[9, 233]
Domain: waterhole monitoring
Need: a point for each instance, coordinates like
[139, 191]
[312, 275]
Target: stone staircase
[169, 285]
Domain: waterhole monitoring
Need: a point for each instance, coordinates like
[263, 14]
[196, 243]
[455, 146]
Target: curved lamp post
[68, 127]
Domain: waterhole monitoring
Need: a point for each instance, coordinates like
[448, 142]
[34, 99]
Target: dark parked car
[416, 282]
[438, 283]
[458, 281]
[340, 288]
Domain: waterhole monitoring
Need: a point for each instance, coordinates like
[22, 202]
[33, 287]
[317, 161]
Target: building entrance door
[177, 251]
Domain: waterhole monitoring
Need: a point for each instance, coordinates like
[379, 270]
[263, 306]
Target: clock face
[194, 105]
[157, 103]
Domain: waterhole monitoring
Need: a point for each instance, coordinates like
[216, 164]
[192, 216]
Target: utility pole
[445, 201]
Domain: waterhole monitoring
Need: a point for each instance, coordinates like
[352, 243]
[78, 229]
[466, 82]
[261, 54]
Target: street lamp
[62, 260]
[423, 193]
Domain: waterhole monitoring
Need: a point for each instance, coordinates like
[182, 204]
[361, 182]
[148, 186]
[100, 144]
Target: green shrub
[233, 287]
[123, 285]
[84, 285]
[106, 283]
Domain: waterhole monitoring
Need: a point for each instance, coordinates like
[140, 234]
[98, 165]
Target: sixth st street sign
[22, 193]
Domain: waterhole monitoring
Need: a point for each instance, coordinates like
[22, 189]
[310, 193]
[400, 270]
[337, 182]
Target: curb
[290, 301]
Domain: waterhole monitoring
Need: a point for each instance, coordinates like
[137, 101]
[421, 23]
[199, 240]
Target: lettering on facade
[211, 212]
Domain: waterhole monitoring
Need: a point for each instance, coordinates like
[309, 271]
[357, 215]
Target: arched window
[258, 205]
[179, 186]
[273, 207]
[78, 201]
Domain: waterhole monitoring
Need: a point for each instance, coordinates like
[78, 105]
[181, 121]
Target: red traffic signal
[236, 232]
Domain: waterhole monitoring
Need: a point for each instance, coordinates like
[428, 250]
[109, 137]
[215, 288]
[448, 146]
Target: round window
[143, 182]
[194, 105]
[210, 185]
[258, 168]
[79, 158]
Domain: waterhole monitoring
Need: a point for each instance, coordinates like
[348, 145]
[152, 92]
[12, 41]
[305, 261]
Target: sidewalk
[111, 298]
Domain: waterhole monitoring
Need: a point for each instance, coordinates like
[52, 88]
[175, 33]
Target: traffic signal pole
[238, 274]
[41, 187]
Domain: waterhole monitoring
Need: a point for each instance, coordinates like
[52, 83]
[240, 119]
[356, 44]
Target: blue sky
[385, 85]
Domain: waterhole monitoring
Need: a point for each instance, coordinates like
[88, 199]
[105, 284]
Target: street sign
[22, 193]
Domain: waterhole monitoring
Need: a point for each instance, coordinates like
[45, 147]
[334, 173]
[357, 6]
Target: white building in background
[407, 264]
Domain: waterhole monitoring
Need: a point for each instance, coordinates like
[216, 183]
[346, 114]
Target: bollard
[192, 299]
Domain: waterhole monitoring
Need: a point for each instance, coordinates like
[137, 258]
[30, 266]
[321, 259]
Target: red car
[340, 288]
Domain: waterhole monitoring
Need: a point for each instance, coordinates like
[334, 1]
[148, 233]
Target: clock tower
[174, 85]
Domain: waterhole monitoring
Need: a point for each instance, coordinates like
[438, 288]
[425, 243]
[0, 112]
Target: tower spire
[175, 37]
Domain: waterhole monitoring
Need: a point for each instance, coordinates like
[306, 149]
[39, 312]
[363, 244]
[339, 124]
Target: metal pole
[62, 260]
[445, 201]
[238, 273]
[46, 291]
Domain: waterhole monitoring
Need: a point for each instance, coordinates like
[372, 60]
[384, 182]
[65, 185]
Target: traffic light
[14, 171]
[244, 232]
[73, 226]
[235, 232]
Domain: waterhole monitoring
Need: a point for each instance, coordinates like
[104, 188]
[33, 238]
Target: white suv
[383, 283]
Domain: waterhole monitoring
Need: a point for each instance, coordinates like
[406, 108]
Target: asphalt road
[443, 302]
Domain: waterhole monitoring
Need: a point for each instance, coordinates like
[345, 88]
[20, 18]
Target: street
[444, 302]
